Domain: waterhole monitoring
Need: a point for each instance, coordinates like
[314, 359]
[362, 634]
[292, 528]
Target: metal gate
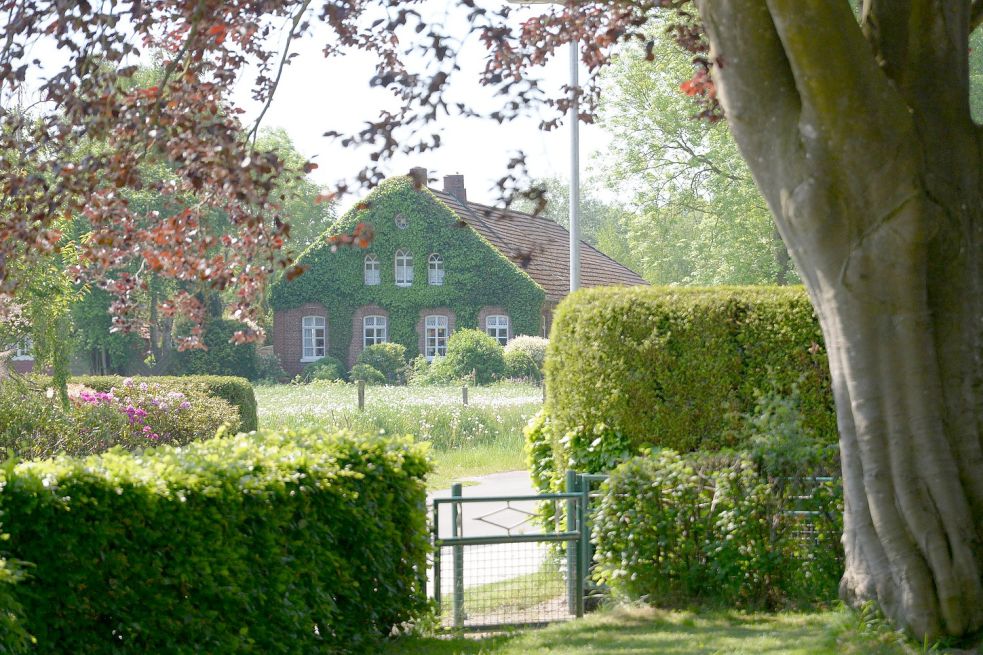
[513, 560]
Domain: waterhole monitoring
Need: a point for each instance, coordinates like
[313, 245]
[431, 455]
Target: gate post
[457, 525]
[573, 548]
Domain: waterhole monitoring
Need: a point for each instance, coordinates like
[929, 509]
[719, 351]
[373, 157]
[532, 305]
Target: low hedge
[293, 542]
[673, 368]
[234, 390]
[676, 530]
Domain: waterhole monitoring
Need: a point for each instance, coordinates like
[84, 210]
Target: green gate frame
[575, 532]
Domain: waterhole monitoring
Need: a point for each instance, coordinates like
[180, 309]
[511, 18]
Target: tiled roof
[540, 247]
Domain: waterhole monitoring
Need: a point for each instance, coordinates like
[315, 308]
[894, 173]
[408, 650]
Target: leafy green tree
[303, 202]
[698, 219]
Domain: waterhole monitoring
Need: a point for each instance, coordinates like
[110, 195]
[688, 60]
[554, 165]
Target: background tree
[697, 217]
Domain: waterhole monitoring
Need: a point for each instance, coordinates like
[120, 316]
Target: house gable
[403, 218]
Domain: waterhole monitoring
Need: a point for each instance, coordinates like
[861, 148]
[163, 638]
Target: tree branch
[975, 15]
[837, 78]
[921, 45]
[254, 132]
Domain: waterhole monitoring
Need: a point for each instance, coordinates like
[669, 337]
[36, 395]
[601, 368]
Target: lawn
[647, 631]
[483, 437]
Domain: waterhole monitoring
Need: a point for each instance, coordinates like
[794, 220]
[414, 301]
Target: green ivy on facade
[476, 274]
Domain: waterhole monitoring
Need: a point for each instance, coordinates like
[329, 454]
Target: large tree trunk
[863, 146]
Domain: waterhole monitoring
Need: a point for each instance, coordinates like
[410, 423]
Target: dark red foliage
[82, 151]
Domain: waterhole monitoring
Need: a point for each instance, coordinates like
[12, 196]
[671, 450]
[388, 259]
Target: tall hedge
[237, 391]
[676, 368]
[297, 542]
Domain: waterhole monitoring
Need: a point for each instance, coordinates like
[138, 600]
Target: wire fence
[504, 585]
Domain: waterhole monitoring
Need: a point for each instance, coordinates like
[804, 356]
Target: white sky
[316, 95]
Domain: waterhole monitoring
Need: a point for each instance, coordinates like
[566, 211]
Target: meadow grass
[483, 437]
[644, 630]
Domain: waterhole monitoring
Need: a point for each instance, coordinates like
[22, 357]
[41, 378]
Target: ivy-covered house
[436, 262]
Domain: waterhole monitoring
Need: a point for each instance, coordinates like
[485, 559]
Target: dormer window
[404, 268]
[372, 270]
[435, 270]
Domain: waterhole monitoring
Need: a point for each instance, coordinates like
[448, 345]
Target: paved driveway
[493, 563]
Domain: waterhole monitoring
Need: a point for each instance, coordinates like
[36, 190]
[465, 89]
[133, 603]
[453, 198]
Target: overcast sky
[317, 94]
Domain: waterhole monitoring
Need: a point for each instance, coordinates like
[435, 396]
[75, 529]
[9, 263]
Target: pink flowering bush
[132, 415]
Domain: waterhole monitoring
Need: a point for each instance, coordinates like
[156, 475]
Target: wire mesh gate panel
[508, 560]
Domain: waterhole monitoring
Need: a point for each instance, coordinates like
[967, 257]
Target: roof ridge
[516, 212]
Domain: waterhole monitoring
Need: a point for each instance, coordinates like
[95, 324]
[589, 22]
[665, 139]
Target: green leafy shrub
[327, 368]
[678, 368]
[519, 365]
[437, 372]
[474, 352]
[535, 347]
[297, 542]
[133, 415]
[367, 374]
[677, 531]
[269, 370]
[223, 357]
[779, 442]
[387, 358]
[14, 638]
[234, 390]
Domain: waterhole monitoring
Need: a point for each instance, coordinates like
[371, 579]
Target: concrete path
[493, 563]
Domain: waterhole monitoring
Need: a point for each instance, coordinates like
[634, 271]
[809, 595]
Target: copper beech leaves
[102, 133]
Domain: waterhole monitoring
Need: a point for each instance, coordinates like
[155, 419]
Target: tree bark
[862, 143]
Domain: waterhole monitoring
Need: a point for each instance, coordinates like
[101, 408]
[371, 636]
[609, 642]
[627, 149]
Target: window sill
[307, 360]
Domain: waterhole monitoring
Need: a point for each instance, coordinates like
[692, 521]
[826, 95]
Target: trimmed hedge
[679, 530]
[674, 368]
[296, 542]
[236, 391]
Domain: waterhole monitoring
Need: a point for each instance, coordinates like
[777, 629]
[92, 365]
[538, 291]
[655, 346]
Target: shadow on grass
[644, 630]
[449, 646]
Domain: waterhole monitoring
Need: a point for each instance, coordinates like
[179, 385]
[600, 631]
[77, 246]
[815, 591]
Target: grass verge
[643, 630]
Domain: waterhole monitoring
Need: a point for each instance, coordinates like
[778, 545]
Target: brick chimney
[419, 175]
[454, 185]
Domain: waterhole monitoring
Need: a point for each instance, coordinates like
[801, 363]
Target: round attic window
[401, 221]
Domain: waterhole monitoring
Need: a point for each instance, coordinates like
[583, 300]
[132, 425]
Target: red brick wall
[22, 366]
[485, 312]
[288, 339]
[358, 343]
[436, 311]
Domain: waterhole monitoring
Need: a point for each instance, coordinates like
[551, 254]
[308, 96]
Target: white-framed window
[435, 337]
[497, 327]
[24, 350]
[401, 221]
[315, 332]
[404, 268]
[374, 330]
[435, 270]
[372, 270]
